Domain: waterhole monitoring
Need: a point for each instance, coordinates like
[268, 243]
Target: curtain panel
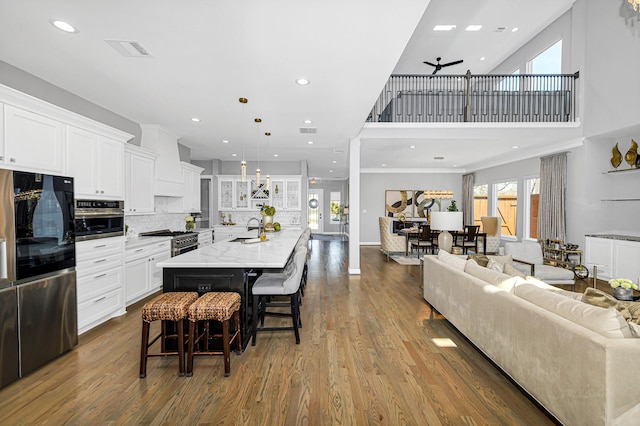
[553, 184]
[467, 198]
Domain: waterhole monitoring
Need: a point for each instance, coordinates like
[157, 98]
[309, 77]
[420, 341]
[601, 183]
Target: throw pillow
[506, 259]
[480, 259]
[509, 269]
[495, 266]
[629, 310]
[452, 260]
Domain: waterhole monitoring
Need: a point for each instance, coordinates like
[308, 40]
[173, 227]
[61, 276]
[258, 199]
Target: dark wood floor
[372, 352]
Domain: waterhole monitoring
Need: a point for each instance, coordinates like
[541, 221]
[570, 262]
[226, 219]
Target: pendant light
[243, 164]
[258, 121]
[268, 179]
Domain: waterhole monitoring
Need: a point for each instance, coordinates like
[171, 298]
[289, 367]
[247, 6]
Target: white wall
[372, 195]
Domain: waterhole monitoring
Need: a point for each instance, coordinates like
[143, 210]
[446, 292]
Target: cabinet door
[155, 273]
[277, 194]
[292, 194]
[135, 279]
[225, 194]
[81, 151]
[241, 194]
[627, 260]
[599, 252]
[194, 185]
[33, 141]
[139, 178]
[110, 167]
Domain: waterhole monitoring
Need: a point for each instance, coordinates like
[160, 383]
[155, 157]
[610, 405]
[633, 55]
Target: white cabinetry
[32, 141]
[99, 281]
[223, 232]
[190, 200]
[142, 276]
[284, 193]
[615, 258]
[139, 179]
[97, 164]
[205, 237]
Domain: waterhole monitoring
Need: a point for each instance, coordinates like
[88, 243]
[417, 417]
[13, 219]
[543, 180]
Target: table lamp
[445, 222]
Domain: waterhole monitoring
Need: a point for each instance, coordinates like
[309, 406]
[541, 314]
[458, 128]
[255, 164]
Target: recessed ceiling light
[225, 141]
[438, 158]
[482, 58]
[384, 165]
[330, 171]
[195, 119]
[310, 142]
[473, 28]
[64, 26]
[412, 146]
[514, 29]
[308, 121]
[515, 147]
[334, 161]
[303, 81]
[444, 27]
[275, 155]
[234, 155]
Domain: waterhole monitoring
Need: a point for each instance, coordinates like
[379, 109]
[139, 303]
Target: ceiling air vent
[130, 49]
[338, 151]
[500, 29]
[308, 130]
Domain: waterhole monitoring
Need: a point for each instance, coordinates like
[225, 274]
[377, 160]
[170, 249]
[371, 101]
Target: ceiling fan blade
[435, 71]
[429, 63]
[452, 63]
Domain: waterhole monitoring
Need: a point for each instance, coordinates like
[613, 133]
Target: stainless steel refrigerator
[38, 304]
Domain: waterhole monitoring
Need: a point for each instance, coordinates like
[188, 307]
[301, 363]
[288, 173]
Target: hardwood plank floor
[367, 356]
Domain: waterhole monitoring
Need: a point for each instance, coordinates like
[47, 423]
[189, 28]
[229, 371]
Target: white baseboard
[354, 271]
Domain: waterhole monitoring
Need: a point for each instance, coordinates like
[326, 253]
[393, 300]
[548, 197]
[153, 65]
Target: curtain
[467, 198]
[553, 183]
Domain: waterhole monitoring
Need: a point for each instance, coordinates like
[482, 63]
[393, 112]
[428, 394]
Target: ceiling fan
[438, 66]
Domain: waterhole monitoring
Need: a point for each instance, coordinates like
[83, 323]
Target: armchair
[492, 226]
[527, 258]
[390, 242]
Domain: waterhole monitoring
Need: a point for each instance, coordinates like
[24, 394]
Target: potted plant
[623, 288]
[267, 213]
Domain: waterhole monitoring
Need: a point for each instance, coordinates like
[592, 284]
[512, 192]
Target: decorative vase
[267, 220]
[632, 155]
[616, 158]
[623, 293]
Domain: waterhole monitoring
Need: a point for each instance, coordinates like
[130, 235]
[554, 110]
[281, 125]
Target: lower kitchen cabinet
[100, 281]
[205, 237]
[142, 276]
[223, 232]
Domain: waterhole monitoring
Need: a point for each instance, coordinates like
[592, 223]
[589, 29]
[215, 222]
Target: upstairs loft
[494, 98]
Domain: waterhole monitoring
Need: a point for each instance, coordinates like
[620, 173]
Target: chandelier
[438, 195]
[243, 164]
[258, 121]
[635, 4]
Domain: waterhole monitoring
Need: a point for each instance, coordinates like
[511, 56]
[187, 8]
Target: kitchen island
[230, 265]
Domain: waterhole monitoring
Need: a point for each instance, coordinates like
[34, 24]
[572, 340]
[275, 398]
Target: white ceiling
[206, 54]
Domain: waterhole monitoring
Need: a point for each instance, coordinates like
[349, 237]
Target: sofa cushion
[487, 275]
[452, 260]
[509, 269]
[606, 322]
[629, 310]
[541, 284]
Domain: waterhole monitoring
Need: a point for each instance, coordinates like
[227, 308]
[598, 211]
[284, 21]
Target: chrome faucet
[259, 224]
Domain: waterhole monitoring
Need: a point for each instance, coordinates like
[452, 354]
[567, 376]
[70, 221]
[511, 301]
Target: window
[334, 207]
[506, 194]
[547, 62]
[532, 188]
[480, 204]
[511, 84]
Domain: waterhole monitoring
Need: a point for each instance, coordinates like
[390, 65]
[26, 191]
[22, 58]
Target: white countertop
[272, 253]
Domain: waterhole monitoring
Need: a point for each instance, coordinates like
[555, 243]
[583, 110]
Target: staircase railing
[477, 98]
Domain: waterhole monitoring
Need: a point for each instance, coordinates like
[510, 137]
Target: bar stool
[171, 306]
[214, 306]
[287, 284]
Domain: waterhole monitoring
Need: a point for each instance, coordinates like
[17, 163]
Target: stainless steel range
[182, 241]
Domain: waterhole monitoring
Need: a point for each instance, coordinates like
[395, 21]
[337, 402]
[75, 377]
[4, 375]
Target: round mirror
[313, 203]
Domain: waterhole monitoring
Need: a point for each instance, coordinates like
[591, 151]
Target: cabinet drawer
[131, 255]
[95, 285]
[99, 265]
[159, 248]
[86, 250]
[99, 307]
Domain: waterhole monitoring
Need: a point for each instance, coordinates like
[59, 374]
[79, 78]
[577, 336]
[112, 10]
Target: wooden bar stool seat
[214, 306]
[172, 306]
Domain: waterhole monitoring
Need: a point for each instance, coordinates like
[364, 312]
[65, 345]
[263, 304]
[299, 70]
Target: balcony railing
[491, 98]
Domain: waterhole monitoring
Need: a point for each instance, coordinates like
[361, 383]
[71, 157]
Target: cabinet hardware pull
[99, 260]
[100, 276]
[13, 160]
[140, 250]
[99, 299]
[103, 245]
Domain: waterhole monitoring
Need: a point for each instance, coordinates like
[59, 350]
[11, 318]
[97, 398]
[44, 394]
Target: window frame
[527, 180]
[494, 206]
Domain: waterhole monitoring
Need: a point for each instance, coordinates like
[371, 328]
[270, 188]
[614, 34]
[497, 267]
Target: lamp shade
[446, 221]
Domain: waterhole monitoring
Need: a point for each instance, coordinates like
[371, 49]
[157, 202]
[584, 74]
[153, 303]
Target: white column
[354, 206]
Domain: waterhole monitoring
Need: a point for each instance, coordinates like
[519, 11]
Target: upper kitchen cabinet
[139, 179]
[284, 193]
[32, 141]
[97, 164]
[189, 201]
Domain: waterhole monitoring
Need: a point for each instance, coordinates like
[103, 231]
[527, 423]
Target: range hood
[168, 168]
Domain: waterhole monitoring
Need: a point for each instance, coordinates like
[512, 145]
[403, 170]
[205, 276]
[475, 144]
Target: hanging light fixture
[268, 179]
[635, 4]
[258, 121]
[243, 164]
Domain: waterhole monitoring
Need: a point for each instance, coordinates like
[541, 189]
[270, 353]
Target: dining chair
[468, 240]
[424, 240]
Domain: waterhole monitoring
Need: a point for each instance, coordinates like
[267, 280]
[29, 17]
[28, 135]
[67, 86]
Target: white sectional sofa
[546, 339]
